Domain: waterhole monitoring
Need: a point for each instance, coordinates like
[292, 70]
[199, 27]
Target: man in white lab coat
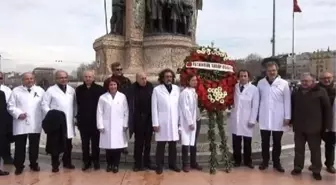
[274, 114]
[165, 118]
[9, 135]
[24, 105]
[62, 97]
[243, 118]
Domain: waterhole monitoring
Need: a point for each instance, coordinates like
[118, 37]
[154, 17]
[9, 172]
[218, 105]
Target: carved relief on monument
[139, 15]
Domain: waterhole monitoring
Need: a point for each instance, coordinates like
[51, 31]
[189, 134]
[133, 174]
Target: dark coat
[124, 83]
[131, 98]
[311, 112]
[87, 101]
[331, 91]
[6, 120]
[54, 125]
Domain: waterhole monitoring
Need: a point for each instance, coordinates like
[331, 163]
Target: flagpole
[273, 32]
[293, 39]
[105, 12]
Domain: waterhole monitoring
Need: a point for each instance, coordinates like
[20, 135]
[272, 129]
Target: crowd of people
[107, 116]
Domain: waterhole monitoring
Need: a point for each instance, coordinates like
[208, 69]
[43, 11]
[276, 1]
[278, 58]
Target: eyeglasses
[118, 69]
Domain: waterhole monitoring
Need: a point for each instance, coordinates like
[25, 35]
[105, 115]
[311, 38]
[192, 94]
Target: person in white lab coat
[243, 118]
[112, 122]
[62, 97]
[25, 107]
[274, 114]
[165, 116]
[187, 119]
[9, 135]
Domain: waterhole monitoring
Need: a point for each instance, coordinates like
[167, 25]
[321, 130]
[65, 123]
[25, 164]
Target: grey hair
[27, 73]
[271, 64]
[308, 74]
[89, 71]
[60, 71]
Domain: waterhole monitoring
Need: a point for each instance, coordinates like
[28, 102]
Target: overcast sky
[38, 32]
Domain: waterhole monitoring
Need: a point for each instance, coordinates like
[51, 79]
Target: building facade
[322, 61]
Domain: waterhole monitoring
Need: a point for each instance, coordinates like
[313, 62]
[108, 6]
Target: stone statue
[187, 16]
[175, 14]
[154, 10]
[117, 19]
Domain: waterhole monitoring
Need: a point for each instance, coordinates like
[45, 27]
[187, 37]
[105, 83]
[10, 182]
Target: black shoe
[159, 171]
[296, 172]
[3, 173]
[279, 168]
[108, 168]
[35, 168]
[115, 169]
[196, 166]
[186, 169]
[263, 166]
[175, 169]
[69, 166]
[317, 176]
[86, 167]
[18, 171]
[331, 169]
[250, 165]
[8, 160]
[96, 166]
[137, 169]
[55, 170]
[150, 167]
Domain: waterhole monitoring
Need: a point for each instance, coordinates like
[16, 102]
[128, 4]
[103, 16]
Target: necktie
[29, 90]
[241, 88]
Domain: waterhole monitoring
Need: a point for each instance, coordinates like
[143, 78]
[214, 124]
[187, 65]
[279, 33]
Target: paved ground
[239, 176]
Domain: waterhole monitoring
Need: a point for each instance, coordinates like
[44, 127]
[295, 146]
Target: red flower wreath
[215, 76]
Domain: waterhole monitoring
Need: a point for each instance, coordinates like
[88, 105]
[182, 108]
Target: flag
[296, 7]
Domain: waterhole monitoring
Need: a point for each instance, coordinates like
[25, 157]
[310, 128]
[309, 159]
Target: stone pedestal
[165, 51]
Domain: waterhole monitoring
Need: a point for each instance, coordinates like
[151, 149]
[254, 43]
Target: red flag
[296, 7]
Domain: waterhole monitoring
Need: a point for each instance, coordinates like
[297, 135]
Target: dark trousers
[142, 145]
[314, 143]
[20, 149]
[329, 139]
[66, 158]
[265, 146]
[237, 148]
[193, 149]
[90, 137]
[113, 157]
[6, 148]
[172, 153]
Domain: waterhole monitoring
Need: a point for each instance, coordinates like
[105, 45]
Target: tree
[82, 67]
[253, 57]
[253, 64]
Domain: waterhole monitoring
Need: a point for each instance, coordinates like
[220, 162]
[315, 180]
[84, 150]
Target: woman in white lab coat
[187, 119]
[112, 122]
[243, 117]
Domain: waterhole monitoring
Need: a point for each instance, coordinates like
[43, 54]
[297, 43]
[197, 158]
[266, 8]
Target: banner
[209, 66]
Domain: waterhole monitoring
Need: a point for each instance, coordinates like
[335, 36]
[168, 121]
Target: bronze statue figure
[187, 15]
[154, 10]
[117, 19]
[175, 14]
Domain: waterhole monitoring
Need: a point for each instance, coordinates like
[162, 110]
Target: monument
[148, 35]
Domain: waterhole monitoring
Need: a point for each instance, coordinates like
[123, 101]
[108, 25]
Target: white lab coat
[165, 113]
[56, 99]
[112, 116]
[188, 115]
[6, 90]
[275, 104]
[245, 110]
[21, 101]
